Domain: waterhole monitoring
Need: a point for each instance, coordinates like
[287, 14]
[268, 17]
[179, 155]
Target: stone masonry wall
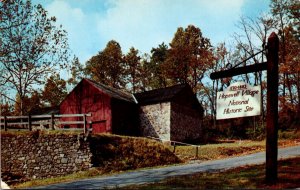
[38, 155]
[185, 124]
[155, 120]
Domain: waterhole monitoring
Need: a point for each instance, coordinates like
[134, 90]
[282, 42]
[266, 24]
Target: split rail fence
[175, 143]
[27, 122]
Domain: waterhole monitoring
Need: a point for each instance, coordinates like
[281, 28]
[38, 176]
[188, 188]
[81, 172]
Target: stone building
[171, 113]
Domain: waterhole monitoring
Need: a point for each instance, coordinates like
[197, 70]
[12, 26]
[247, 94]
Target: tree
[5, 109]
[287, 18]
[133, 69]
[54, 91]
[188, 57]
[290, 103]
[31, 46]
[250, 41]
[221, 59]
[176, 64]
[279, 10]
[146, 73]
[155, 66]
[107, 66]
[30, 104]
[294, 16]
[96, 68]
[77, 72]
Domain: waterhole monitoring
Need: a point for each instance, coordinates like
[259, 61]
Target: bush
[291, 134]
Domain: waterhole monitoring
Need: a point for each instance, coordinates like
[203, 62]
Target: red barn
[112, 110]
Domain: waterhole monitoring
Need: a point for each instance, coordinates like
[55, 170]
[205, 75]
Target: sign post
[272, 102]
[272, 109]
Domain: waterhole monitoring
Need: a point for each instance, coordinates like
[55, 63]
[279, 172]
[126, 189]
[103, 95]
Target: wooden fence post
[29, 123]
[197, 151]
[174, 144]
[84, 123]
[91, 126]
[52, 121]
[5, 123]
[272, 109]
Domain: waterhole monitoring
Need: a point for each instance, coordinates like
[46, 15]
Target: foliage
[289, 135]
[133, 70]
[5, 109]
[54, 90]
[286, 18]
[53, 93]
[107, 66]
[123, 153]
[31, 46]
[31, 104]
[257, 133]
[155, 67]
[208, 92]
[146, 75]
[77, 72]
[188, 58]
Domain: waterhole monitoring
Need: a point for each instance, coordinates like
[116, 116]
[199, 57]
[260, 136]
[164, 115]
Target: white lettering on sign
[239, 100]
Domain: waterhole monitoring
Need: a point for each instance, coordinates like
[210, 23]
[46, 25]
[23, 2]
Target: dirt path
[157, 174]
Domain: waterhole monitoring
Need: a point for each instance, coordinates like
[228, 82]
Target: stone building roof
[160, 95]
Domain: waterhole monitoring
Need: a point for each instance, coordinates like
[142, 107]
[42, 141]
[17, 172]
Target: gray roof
[160, 95]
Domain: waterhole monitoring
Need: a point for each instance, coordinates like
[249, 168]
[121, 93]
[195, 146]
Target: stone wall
[38, 155]
[155, 120]
[185, 124]
[33, 155]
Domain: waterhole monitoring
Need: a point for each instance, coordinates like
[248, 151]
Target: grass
[225, 149]
[113, 152]
[41, 132]
[40, 182]
[250, 177]
[289, 134]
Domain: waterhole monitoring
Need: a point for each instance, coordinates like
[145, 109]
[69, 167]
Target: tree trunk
[289, 88]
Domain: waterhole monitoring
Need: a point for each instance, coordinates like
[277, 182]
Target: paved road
[158, 174]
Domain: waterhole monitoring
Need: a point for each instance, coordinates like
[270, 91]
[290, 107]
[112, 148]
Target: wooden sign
[239, 100]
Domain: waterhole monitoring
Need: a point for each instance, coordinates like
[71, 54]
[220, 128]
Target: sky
[144, 24]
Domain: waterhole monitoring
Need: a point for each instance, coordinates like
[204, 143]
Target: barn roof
[160, 95]
[115, 93]
[143, 98]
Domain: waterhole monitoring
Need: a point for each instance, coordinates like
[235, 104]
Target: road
[158, 174]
